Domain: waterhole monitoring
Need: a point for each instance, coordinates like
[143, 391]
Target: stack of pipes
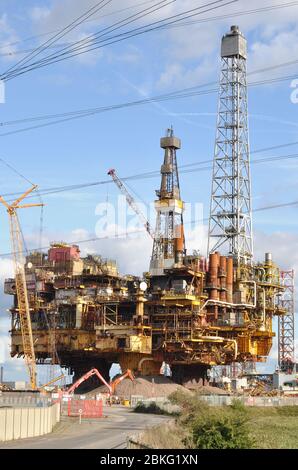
[221, 275]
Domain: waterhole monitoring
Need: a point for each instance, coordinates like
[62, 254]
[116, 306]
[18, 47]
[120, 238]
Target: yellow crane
[62, 376]
[20, 280]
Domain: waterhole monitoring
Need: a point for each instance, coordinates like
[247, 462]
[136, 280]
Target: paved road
[105, 433]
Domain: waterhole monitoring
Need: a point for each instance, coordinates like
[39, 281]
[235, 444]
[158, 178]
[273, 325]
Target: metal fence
[24, 401]
[215, 400]
[218, 400]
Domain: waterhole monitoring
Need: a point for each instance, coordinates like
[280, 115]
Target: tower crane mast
[130, 201]
[20, 280]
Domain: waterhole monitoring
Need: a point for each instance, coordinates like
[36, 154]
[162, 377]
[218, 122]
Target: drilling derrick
[230, 224]
[169, 242]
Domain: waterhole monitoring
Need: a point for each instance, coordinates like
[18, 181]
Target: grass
[236, 426]
[166, 436]
[275, 428]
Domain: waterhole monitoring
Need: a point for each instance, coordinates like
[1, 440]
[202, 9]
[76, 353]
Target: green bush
[212, 427]
[238, 406]
[151, 408]
[223, 430]
[189, 403]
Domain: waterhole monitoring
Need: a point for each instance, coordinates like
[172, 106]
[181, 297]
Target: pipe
[213, 272]
[236, 348]
[259, 268]
[223, 278]
[264, 309]
[255, 294]
[230, 304]
[142, 361]
[179, 244]
[140, 304]
[221, 338]
[230, 273]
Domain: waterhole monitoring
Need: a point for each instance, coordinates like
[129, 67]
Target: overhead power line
[183, 169]
[197, 21]
[48, 33]
[116, 38]
[123, 234]
[236, 14]
[78, 114]
[67, 29]
[114, 27]
[63, 47]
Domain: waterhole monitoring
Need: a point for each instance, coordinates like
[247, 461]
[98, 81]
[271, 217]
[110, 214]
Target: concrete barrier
[19, 423]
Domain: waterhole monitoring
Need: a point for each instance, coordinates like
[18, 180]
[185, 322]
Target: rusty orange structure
[189, 318]
[188, 312]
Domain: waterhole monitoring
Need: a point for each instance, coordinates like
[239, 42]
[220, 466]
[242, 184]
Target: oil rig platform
[189, 311]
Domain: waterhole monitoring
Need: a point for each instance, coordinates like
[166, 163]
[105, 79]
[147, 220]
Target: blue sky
[83, 150]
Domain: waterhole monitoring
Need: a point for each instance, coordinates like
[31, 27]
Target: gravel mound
[148, 387]
[207, 390]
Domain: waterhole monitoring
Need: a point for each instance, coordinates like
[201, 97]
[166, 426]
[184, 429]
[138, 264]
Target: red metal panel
[64, 253]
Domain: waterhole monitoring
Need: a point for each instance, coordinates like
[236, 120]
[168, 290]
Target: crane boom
[117, 381]
[86, 377]
[62, 376]
[20, 280]
[130, 200]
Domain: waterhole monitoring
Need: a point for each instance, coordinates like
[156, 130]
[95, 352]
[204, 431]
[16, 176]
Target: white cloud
[272, 39]
[189, 53]
[40, 13]
[6, 268]
[278, 49]
[177, 75]
[8, 39]
[282, 245]
[130, 55]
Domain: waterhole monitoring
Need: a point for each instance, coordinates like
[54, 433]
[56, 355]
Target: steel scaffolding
[286, 324]
[230, 223]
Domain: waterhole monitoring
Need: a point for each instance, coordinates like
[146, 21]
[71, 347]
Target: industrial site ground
[122, 428]
[109, 432]
[264, 427]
